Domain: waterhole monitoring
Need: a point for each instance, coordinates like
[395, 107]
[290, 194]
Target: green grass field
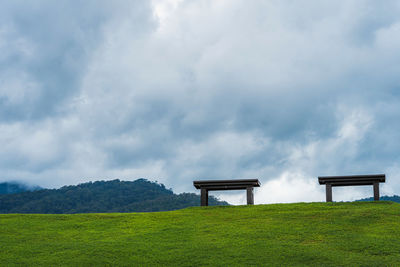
[323, 234]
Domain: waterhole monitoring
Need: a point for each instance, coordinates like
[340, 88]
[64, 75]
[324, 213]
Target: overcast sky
[176, 91]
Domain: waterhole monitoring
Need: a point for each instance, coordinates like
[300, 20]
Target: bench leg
[376, 191]
[204, 197]
[250, 196]
[328, 189]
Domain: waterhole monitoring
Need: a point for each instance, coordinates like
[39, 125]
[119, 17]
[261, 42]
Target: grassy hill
[329, 234]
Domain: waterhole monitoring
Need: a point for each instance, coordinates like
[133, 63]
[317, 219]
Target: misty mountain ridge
[16, 187]
[101, 196]
[394, 198]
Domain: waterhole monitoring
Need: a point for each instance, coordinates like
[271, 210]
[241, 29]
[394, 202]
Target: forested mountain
[15, 187]
[393, 198]
[101, 196]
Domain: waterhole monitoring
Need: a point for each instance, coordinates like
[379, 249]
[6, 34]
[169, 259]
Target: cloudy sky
[182, 90]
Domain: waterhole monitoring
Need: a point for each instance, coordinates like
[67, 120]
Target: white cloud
[290, 187]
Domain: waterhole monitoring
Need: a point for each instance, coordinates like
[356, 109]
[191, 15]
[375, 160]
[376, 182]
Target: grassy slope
[361, 233]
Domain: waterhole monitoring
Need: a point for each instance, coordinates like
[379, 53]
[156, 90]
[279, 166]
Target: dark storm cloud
[45, 50]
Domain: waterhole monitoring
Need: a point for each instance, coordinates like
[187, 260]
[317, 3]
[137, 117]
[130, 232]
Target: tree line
[101, 196]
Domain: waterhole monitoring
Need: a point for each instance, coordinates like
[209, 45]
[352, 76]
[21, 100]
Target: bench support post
[250, 196]
[376, 191]
[204, 197]
[328, 190]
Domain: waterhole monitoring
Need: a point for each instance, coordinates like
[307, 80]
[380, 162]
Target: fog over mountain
[15, 187]
[180, 90]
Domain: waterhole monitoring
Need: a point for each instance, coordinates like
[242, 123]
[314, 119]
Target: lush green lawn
[361, 233]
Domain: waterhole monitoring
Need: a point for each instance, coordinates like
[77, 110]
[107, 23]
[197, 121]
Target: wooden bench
[352, 180]
[213, 185]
